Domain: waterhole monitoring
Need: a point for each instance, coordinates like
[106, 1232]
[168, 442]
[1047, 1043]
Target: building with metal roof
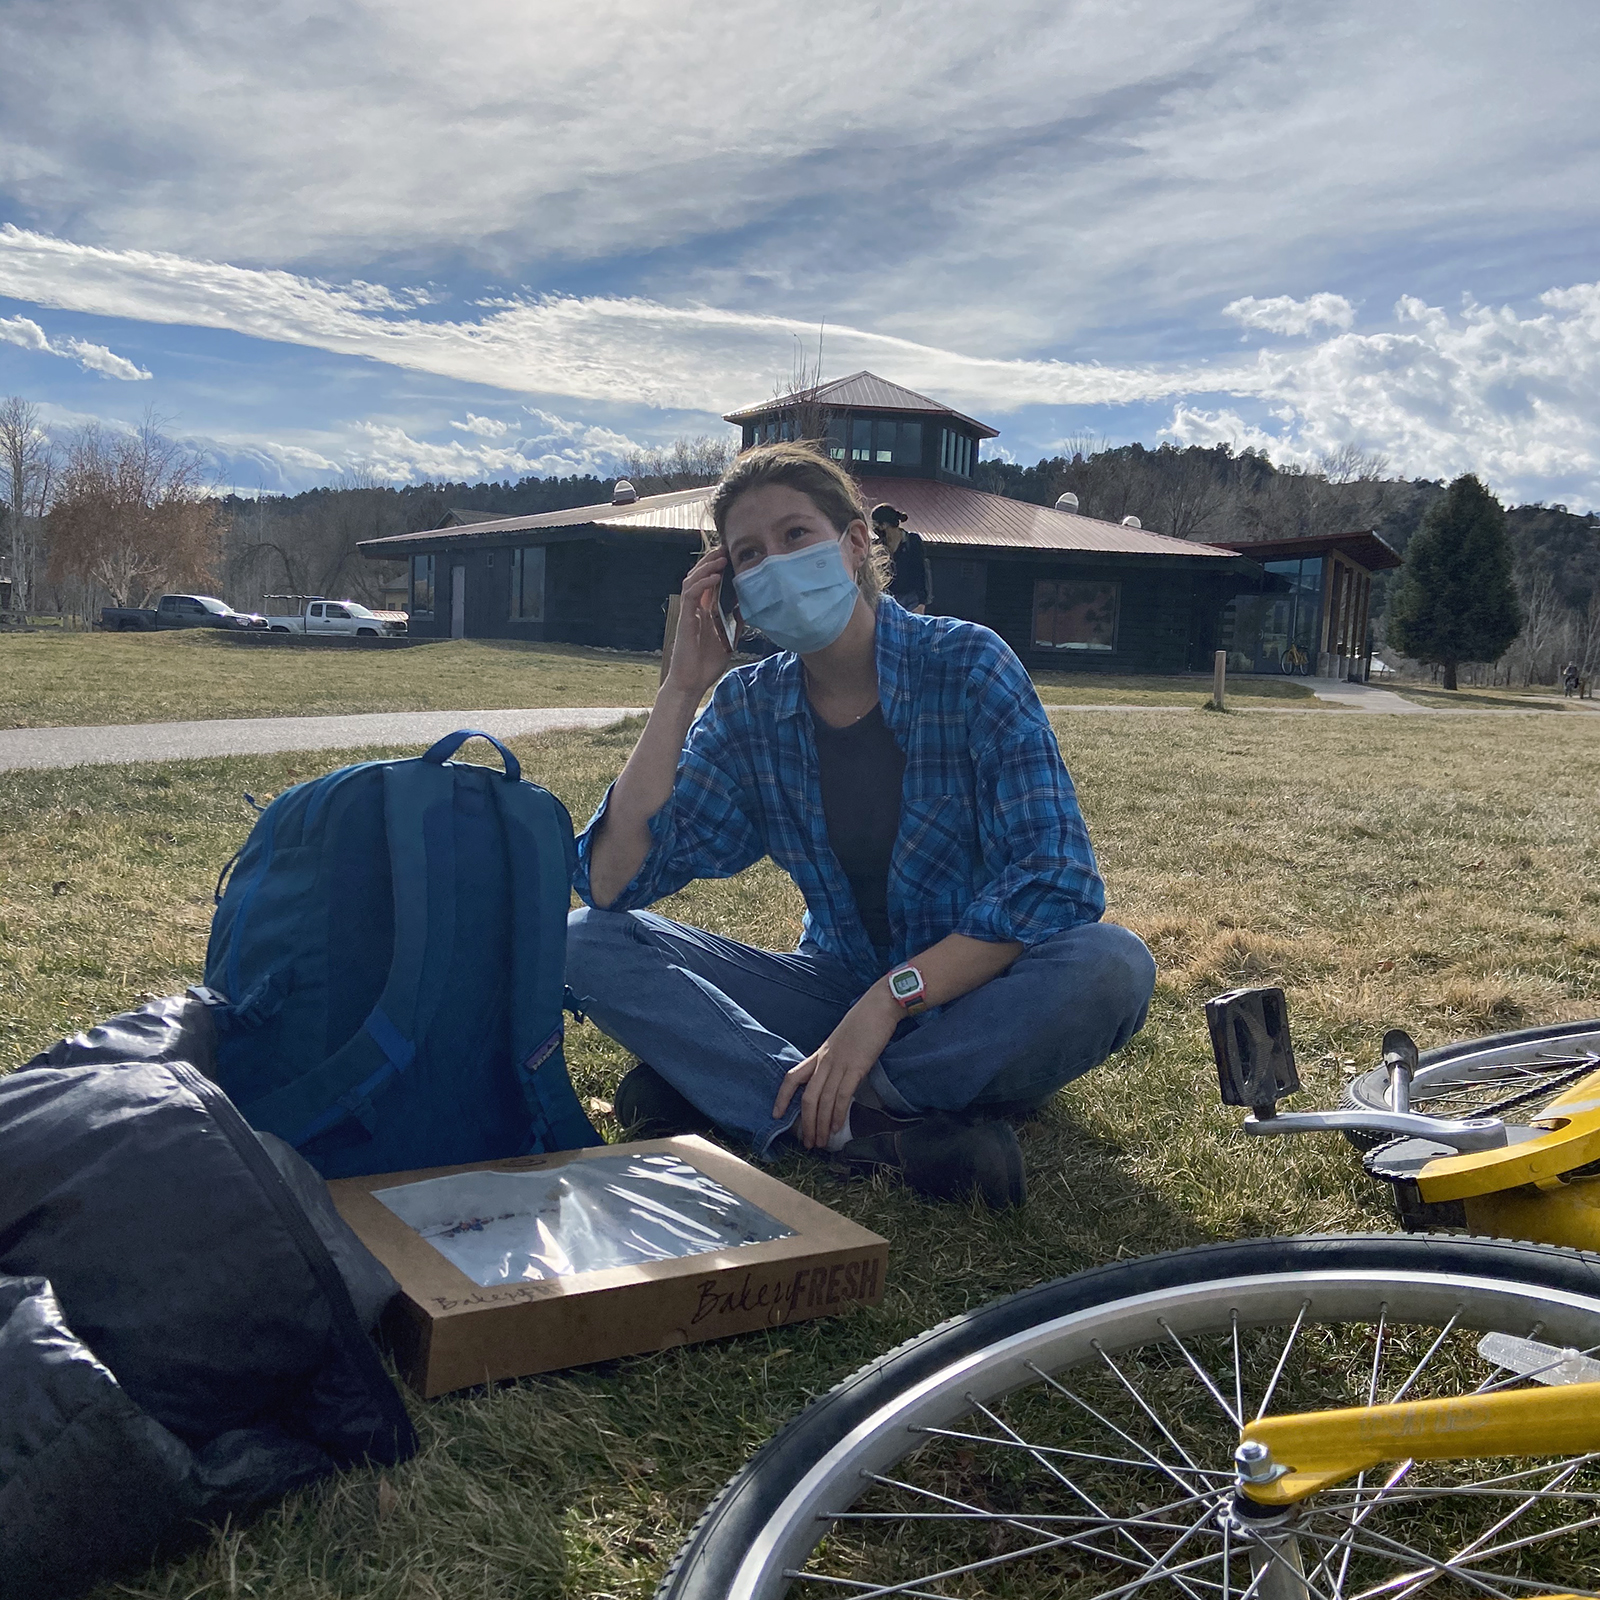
[1066, 590]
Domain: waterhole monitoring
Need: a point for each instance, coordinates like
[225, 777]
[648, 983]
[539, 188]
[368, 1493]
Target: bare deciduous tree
[27, 465]
[683, 464]
[131, 516]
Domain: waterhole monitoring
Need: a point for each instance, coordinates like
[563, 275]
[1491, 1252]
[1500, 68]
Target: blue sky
[493, 238]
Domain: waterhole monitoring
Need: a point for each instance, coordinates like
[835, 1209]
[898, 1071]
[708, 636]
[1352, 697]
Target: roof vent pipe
[1131, 522]
[624, 493]
[1067, 502]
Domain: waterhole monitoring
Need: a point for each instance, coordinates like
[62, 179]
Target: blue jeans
[723, 1022]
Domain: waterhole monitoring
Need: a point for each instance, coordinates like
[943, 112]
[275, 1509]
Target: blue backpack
[392, 944]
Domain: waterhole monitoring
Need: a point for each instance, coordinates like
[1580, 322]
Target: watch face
[904, 984]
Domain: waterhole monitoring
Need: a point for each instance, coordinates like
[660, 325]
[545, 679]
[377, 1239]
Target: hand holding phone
[727, 607]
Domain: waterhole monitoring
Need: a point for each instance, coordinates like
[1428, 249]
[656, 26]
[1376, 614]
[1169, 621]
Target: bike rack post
[1219, 680]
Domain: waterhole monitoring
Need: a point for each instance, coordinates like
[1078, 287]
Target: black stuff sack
[184, 1319]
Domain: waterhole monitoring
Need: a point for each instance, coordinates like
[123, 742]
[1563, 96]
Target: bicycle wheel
[1510, 1075]
[1076, 1440]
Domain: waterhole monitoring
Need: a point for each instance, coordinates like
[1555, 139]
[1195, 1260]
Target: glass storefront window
[527, 584]
[1259, 629]
[1075, 615]
[421, 586]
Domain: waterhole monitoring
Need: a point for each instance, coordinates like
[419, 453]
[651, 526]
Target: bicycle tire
[1473, 1077]
[787, 1502]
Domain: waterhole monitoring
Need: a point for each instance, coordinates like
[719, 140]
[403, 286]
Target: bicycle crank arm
[1468, 1135]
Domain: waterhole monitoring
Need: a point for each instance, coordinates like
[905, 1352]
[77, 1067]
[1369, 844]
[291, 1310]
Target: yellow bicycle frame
[1518, 1192]
[1321, 1448]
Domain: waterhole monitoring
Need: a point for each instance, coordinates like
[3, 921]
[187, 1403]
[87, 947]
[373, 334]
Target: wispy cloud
[613, 348]
[26, 333]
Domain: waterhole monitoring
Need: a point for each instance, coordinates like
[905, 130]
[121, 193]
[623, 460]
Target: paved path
[1365, 697]
[170, 741]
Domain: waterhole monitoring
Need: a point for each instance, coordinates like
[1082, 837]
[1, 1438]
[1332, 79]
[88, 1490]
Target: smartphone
[727, 607]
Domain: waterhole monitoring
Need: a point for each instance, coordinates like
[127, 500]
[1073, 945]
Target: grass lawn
[1444, 877]
[1149, 689]
[1536, 698]
[55, 680]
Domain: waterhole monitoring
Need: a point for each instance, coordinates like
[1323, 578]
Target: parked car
[178, 611]
[347, 617]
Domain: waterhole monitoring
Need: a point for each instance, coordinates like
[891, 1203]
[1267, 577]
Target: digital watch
[908, 989]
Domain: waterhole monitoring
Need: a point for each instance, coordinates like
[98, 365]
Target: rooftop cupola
[873, 427]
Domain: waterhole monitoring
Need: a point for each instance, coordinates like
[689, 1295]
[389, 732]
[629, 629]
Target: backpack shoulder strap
[542, 858]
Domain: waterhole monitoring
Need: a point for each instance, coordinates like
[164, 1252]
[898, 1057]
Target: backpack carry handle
[447, 747]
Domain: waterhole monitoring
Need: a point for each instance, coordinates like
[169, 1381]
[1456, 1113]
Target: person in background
[953, 970]
[911, 578]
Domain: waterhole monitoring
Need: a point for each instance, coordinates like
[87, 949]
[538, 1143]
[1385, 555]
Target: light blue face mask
[801, 601]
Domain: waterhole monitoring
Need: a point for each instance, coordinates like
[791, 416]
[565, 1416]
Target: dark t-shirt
[909, 584]
[862, 770]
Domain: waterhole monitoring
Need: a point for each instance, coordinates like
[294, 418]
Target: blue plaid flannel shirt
[991, 844]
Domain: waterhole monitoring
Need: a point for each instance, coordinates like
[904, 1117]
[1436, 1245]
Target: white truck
[319, 615]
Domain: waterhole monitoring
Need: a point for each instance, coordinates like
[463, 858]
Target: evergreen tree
[1455, 600]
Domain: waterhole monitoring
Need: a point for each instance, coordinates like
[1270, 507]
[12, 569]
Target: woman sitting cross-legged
[953, 970]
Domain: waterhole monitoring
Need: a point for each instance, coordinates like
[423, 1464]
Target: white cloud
[29, 335]
[1508, 393]
[96, 358]
[608, 348]
[24, 332]
[1283, 314]
[483, 427]
[1072, 167]
[1511, 397]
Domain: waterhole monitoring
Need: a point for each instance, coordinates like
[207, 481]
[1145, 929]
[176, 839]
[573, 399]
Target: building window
[955, 452]
[861, 439]
[527, 584]
[836, 436]
[896, 444]
[1070, 614]
[421, 586]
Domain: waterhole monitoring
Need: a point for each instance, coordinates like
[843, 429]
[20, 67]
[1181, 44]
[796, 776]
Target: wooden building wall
[612, 591]
[1166, 615]
[596, 591]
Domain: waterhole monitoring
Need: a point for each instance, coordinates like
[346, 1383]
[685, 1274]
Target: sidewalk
[177, 741]
[1365, 697]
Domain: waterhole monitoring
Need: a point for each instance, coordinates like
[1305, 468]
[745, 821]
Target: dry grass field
[56, 680]
[1439, 874]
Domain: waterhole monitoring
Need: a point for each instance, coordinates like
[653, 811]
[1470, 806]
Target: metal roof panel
[943, 513]
[867, 391]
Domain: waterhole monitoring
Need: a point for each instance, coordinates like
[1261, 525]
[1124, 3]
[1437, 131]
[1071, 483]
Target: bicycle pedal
[1250, 1040]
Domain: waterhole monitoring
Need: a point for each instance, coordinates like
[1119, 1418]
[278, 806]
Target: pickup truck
[348, 617]
[178, 611]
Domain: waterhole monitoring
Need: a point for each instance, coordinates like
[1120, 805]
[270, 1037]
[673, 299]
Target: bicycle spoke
[1476, 1545]
[1235, 1417]
[1238, 1369]
[1159, 1571]
[1073, 1488]
[1421, 1366]
[1277, 1371]
[1076, 1541]
[1144, 1406]
[1062, 1450]
[1127, 1438]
